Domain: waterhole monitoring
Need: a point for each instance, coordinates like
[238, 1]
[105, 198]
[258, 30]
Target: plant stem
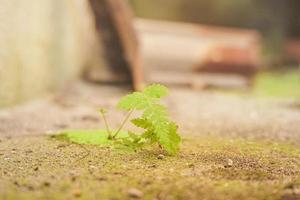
[123, 123]
[106, 126]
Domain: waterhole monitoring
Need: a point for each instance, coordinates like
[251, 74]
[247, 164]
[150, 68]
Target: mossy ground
[44, 168]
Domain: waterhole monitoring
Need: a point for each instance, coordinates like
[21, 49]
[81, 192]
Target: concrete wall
[43, 44]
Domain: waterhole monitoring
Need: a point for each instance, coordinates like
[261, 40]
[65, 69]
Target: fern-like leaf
[134, 101]
[141, 123]
[170, 139]
[155, 120]
[156, 91]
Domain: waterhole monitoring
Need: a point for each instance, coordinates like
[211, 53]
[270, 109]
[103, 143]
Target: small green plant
[158, 128]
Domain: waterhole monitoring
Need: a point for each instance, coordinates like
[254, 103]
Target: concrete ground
[234, 147]
[197, 113]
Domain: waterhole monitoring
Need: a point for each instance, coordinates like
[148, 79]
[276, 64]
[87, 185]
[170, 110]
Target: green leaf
[155, 113]
[149, 134]
[141, 123]
[134, 137]
[134, 101]
[156, 91]
[169, 139]
[165, 131]
[155, 119]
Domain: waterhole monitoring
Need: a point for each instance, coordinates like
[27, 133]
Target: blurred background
[275, 20]
[242, 46]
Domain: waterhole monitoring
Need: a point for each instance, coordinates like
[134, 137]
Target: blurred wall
[44, 43]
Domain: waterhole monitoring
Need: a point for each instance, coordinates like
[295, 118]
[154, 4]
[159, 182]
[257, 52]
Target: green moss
[259, 170]
[92, 137]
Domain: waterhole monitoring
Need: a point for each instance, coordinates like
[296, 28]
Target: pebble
[28, 151]
[92, 168]
[16, 183]
[61, 146]
[135, 193]
[186, 173]
[30, 187]
[77, 193]
[152, 166]
[102, 179]
[46, 184]
[190, 165]
[160, 156]
[73, 178]
[229, 163]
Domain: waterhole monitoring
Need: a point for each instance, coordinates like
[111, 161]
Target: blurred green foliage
[285, 84]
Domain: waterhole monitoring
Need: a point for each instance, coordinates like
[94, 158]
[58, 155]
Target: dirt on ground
[234, 147]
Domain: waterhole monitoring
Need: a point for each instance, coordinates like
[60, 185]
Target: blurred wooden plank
[123, 19]
[118, 38]
[191, 48]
